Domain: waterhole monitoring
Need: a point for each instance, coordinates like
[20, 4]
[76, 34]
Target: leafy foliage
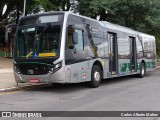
[141, 15]
[15, 10]
[57, 5]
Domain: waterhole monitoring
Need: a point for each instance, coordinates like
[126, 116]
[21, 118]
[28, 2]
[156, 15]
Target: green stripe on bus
[127, 66]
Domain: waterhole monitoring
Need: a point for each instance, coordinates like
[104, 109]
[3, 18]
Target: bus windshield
[40, 41]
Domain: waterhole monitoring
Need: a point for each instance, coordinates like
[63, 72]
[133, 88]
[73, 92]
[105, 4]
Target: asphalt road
[118, 94]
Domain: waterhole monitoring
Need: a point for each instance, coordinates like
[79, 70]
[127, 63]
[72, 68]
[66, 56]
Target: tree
[92, 8]
[10, 6]
[137, 14]
[57, 5]
[141, 15]
[15, 9]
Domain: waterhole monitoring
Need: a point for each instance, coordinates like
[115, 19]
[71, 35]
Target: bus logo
[31, 72]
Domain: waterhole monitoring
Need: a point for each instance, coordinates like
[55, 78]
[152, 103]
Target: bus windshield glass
[40, 41]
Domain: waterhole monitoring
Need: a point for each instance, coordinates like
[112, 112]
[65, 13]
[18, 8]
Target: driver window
[69, 41]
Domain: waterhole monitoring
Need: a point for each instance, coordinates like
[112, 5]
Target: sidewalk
[7, 82]
[6, 63]
[6, 73]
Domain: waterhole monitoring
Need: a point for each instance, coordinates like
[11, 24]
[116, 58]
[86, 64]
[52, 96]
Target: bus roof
[104, 24]
[44, 13]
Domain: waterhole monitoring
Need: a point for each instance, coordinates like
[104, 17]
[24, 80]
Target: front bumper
[57, 77]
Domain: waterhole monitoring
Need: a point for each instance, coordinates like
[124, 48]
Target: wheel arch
[98, 63]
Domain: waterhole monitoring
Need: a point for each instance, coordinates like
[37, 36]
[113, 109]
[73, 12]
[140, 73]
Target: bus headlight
[56, 67]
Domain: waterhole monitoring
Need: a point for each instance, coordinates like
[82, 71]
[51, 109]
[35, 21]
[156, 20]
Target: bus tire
[96, 76]
[142, 71]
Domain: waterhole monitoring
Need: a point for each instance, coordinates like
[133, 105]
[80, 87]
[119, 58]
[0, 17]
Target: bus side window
[79, 45]
[69, 44]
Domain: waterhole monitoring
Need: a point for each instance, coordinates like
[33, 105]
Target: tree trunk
[17, 6]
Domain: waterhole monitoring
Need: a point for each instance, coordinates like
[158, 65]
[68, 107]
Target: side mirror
[75, 38]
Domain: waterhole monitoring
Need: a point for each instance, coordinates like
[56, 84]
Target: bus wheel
[142, 71]
[95, 76]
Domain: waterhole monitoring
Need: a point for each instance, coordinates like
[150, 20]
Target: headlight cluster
[56, 67]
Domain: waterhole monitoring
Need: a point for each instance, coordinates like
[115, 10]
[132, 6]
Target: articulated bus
[63, 47]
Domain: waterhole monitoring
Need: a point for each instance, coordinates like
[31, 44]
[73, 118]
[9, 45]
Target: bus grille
[33, 69]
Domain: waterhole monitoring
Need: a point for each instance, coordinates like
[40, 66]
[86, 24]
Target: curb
[16, 88]
[8, 89]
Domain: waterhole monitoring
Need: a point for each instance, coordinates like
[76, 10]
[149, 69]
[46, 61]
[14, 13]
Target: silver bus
[63, 47]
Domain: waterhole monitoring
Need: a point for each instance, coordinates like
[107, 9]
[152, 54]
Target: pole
[24, 8]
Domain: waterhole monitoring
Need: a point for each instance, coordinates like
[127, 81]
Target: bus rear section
[149, 49]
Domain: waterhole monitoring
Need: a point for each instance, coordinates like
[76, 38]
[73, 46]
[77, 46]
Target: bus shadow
[73, 87]
[59, 88]
[126, 78]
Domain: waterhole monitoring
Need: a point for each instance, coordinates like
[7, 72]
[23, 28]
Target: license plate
[34, 80]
